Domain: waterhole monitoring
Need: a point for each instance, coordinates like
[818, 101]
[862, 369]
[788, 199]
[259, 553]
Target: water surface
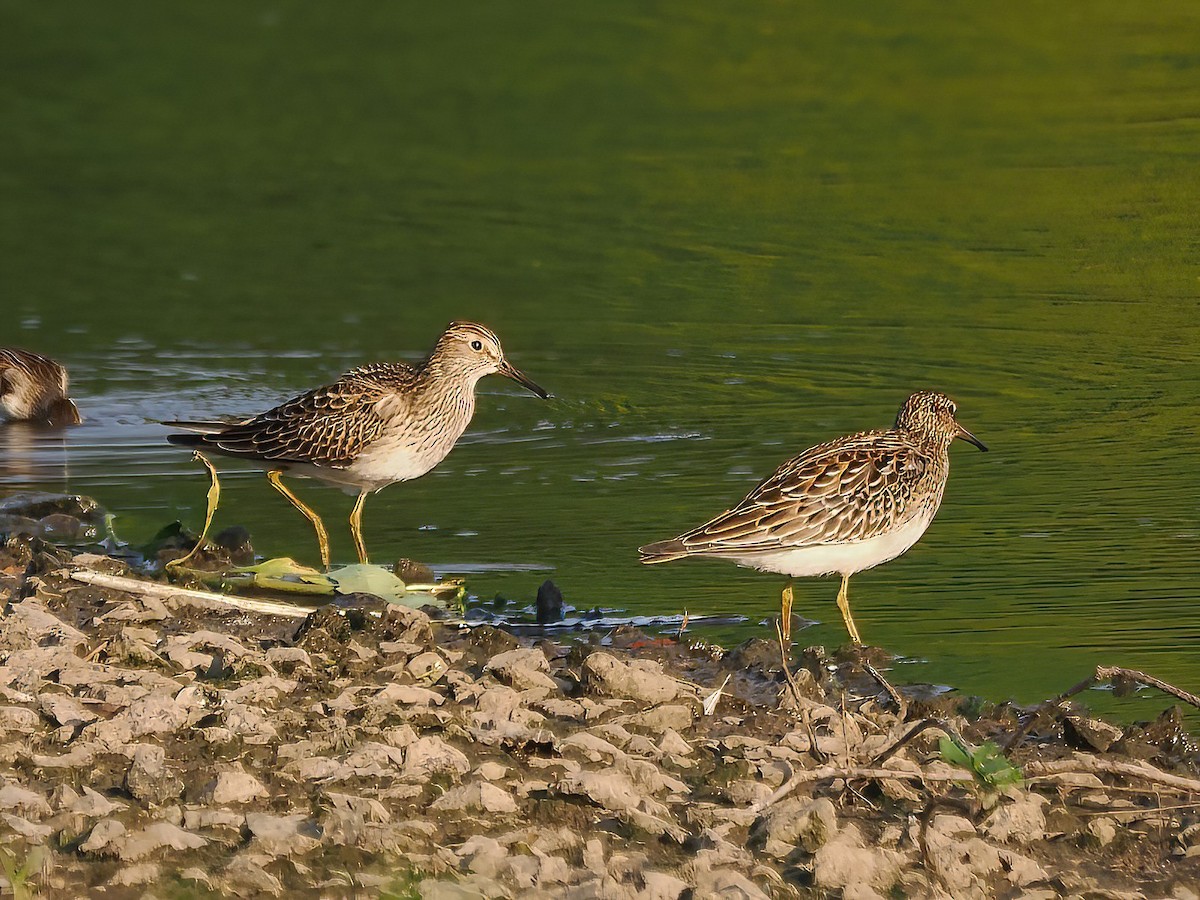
[717, 236]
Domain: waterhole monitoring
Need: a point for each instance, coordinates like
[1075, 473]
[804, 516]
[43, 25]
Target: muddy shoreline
[169, 747]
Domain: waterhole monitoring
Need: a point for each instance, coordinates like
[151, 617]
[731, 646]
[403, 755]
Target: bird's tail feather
[662, 551]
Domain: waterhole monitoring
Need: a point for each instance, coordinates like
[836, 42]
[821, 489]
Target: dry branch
[166, 591]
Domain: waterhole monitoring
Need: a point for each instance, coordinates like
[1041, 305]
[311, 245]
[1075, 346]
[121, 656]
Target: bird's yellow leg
[786, 613]
[843, 602]
[322, 534]
[356, 527]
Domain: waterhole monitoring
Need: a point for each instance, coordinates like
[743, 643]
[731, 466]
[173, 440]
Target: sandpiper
[33, 388]
[837, 508]
[375, 425]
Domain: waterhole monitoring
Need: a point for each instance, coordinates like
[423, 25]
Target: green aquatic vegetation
[986, 763]
[18, 873]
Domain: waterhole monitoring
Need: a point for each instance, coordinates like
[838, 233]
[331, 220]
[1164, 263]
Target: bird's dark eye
[476, 345]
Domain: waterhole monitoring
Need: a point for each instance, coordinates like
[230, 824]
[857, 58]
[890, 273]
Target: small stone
[844, 861]
[523, 669]
[661, 719]
[1102, 830]
[234, 785]
[478, 796]
[672, 743]
[427, 666]
[103, 835]
[661, 886]
[642, 680]
[809, 824]
[137, 844]
[1090, 734]
[1021, 822]
[431, 755]
[491, 771]
[149, 779]
[289, 835]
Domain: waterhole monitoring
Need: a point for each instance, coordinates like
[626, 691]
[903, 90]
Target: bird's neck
[447, 395]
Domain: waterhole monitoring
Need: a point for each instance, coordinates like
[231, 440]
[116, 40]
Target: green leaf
[986, 763]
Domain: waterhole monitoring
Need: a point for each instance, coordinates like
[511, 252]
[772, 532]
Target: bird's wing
[845, 491]
[328, 426]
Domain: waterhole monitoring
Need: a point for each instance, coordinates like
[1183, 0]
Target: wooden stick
[1108, 673]
[1096, 766]
[166, 591]
[901, 703]
[822, 773]
[1102, 673]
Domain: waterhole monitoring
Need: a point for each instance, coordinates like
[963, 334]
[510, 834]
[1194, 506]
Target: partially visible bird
[33, 388]
[375, 425]
[837, 508]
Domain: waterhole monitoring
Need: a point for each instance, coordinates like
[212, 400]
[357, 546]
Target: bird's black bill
[965, 435]
[508, 370]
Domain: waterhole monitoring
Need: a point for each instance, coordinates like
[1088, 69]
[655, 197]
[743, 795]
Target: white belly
[387, 461]
[839, 559]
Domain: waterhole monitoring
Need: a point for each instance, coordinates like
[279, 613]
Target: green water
[719, 234]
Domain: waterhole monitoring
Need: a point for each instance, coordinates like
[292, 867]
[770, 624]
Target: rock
[727, 883]
[549, 603]
[590, 747]
[1090, 734]
[137, 844]
[39, 505]
[672, 717]
[1020, 822]
[15, 797]
[428, 666]
[480, 796]
[642, 680]
[103, 835]
[18, 719]
[615, 792]
[1102, 830]
[792, 823]
[142, 873]
[845, 862]
[289, 835]
[65, 710]
[233, 785]
[148, 778]
[412, 572]
[431, 755]
[491, 771]
[523, 669]
[662, 886]
[483, 855]
[246, 876]
[235, 541]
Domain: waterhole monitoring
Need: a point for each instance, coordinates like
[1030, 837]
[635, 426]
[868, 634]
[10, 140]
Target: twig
[1102, 673]
[823, 773]
[901, 703]
[1108, 673]
[786, 671]
[1096, 766]
[154, 589]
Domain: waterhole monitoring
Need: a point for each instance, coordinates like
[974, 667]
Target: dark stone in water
[486, 641]
[412, 572]
[549, 603]
[755, 655]
[40, 504]
[235, 540]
